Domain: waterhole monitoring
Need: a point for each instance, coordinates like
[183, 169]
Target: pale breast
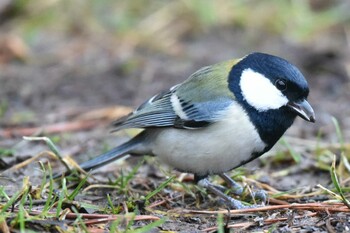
[214, 149]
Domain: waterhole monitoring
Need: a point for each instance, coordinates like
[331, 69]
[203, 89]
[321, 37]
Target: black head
[272, 91]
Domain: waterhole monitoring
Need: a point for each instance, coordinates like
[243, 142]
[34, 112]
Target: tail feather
[132, 146]
[111, 155]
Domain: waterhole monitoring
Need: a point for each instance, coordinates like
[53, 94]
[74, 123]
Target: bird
[220, 118]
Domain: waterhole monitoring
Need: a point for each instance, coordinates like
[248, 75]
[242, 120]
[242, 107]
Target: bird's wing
[194, 103]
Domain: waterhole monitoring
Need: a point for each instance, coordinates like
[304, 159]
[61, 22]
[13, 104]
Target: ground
[70, 86]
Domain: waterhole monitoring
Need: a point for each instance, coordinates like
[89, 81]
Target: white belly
[210, 150]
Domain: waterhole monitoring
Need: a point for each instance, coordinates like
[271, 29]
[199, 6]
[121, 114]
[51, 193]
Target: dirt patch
[63, 78]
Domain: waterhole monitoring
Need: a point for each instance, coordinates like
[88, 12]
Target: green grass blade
[149, 227]
[3, 193]
[132, 174]
[338, 131]
[6, 152]
[52, 147]
[49, 200]
[77, 189]
[160, 188]
[296, 156]
[79, 221]
[48, 142]
[21, 219]
[113, 209]
[43, 181]
[61, 198]
[17, 195]
[336, 183]
[114, 225]
[220, 222]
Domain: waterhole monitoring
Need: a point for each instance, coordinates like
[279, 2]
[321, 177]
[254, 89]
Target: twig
[157, 203]
[236, 225]
[329, 226]
[115, 217]
[50, 129]
[267, 222]
[98, 218]
[340, 207]
[30, 160]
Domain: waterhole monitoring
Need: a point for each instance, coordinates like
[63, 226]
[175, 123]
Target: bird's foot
[260, 195]
[217, 190]
[238, 190]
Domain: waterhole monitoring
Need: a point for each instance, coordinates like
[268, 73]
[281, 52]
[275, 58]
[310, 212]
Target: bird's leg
[204, 182]
[238, 189]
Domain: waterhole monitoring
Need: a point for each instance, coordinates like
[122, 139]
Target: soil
[62, 78]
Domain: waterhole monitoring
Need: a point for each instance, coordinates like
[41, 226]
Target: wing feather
[197, 104]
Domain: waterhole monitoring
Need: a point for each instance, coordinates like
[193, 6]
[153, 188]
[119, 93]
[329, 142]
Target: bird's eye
[281, 84]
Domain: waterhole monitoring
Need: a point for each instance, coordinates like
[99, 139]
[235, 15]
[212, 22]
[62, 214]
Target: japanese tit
[221, 117]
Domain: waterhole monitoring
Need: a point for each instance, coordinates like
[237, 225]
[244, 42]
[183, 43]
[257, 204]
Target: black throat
[270, 124]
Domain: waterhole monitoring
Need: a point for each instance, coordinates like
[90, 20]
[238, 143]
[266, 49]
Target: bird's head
[268, 82]
[272, 91]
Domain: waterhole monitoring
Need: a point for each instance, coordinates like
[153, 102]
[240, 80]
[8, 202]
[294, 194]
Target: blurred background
[68, 68]
[61, 59]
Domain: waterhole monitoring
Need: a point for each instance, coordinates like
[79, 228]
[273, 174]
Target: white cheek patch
[259, 92]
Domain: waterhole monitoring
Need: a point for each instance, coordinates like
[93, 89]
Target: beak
[303, 109]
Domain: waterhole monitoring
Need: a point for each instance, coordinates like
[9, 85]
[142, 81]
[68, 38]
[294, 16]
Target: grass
[113, 201]
[20, 206]
[158, 189]
[67, 201]
[167, 22]
[3, 108]
[296, 156]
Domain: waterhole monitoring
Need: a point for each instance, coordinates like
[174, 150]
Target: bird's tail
[130, 147]
[115, 153]
[105, 158]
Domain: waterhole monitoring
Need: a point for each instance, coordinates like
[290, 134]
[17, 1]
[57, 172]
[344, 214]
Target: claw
[238, 189]
[229, 200]
[261, 195]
